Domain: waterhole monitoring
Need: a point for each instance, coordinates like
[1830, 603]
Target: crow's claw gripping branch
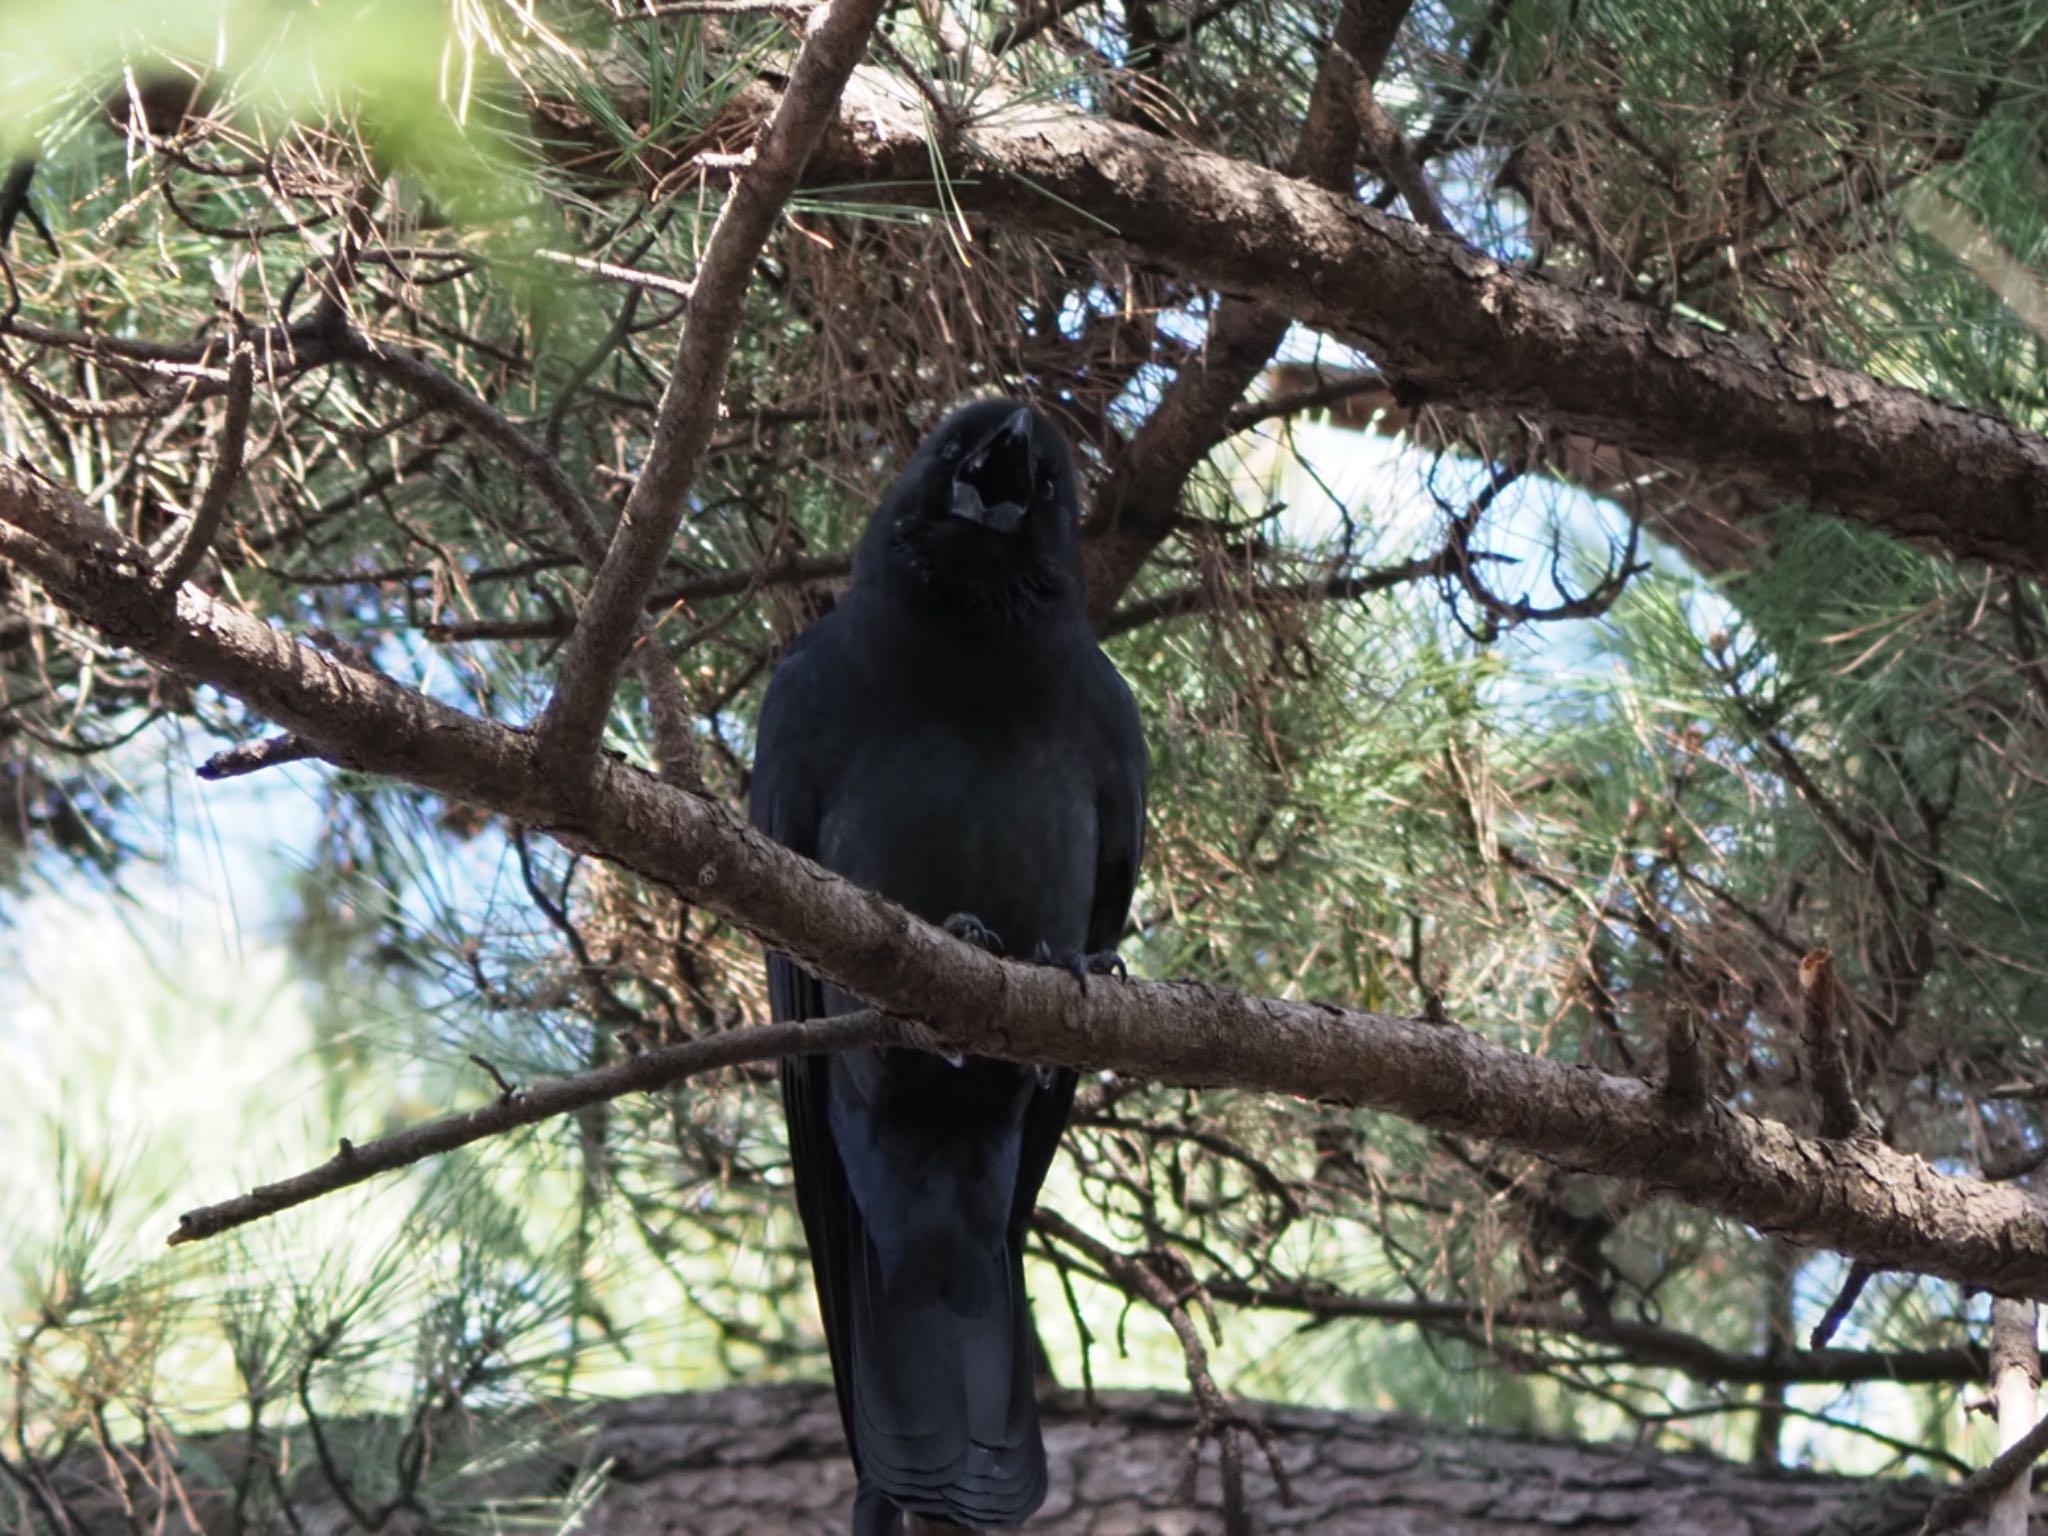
[1104, 962]
[970, 929]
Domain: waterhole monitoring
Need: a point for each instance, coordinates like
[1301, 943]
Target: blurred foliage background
[1643, 745]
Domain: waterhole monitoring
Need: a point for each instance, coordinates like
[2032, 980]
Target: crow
[952, 737]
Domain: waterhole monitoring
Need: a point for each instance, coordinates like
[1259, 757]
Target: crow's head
[984, 515]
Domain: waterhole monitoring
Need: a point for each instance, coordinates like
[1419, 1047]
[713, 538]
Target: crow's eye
[950, 451]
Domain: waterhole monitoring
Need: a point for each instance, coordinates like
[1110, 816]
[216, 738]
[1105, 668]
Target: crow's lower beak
[996, 483]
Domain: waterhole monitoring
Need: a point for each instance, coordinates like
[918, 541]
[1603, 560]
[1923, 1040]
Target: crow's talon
[970, 929]
[1104, 962]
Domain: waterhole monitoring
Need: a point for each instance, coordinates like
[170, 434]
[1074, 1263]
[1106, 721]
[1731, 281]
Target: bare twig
[668, 701]
[645, 1073]
[200, 532]
[506, 1087]
[1154, 1276]
[1310, 397]
[1825, 1057]
[1685, 1069]
[1839, 1309]
[660, 282]
[654, 10]
[1027, 26]
[1981, 1490]
[797, 570]
[1649, 1343]
[1210, 598]
[1397, 162]
[254, 756]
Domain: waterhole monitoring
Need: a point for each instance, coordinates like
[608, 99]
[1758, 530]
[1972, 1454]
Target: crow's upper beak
[997, 481]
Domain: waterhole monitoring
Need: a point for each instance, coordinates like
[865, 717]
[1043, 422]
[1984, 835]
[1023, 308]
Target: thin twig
[1397, 162]
[506, 1087]
[1825, 1058]
[659, 281]
[1217, 1418]
[796, 570]
[254, 756]
[667, 700]
[1024, 28]
[1838, 1310]
[1973, 1495]
[1210, 597]
[645, 1073]
[792, 10]
[1685, 1069]
[1649, 1343]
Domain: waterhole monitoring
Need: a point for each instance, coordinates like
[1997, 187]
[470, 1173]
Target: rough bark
[1881, 1207]
[1454, 327]
[770, 1461]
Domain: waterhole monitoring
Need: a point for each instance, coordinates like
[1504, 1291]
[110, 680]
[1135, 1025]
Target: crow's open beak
[995, 484]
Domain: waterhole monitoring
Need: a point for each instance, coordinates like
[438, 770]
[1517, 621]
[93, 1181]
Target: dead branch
[1825, 1057]
[648, 1072]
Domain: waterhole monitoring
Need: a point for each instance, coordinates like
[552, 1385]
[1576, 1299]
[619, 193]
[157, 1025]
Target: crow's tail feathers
[874, 1514]
[933, 1356]
[943, 1408]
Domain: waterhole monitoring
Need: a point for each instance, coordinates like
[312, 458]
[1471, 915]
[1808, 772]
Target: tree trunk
[770, 1461]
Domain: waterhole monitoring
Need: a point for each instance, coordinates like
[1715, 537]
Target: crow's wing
[1120, 805]
[1116, 746]
[784, 800]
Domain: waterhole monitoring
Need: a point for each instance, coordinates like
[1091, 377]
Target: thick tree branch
[1457, 328]
[1876, 1204]
[771, 1458]
[835, 37]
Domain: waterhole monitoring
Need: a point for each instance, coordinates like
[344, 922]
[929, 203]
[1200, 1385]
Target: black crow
[950, 736]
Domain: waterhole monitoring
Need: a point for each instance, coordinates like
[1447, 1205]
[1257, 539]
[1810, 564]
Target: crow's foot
[970, 929]
[1104, 962]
